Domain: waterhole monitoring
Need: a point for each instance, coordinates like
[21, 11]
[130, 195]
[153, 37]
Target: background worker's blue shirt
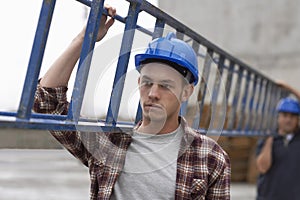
[282, 181]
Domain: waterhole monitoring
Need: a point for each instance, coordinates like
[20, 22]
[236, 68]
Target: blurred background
[264, 34]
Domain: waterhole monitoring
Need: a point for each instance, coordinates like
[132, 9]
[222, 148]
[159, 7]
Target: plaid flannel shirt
[203, 168]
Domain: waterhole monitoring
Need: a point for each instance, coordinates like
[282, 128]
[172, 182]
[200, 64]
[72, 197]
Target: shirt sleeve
[54, 101]
[51, 100]
[219, 184]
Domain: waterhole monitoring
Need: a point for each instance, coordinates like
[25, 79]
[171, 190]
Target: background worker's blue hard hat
[288, 105]
[171, 49]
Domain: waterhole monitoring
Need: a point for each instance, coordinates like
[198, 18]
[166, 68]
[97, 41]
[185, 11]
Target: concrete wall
[264, 34]
[24, 138]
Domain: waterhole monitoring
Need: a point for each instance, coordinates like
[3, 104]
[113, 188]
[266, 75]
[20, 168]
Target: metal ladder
[232, 98]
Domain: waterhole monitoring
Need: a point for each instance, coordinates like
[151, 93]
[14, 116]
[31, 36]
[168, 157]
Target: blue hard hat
[171, 49]
[288, 105]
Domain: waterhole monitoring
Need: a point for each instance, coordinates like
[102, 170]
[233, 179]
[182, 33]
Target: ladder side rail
[117, 17]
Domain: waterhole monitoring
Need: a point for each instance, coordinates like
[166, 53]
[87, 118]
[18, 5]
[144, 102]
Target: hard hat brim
[139, 58]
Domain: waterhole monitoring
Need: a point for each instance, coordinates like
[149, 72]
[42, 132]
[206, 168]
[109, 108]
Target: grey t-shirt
[150, 167]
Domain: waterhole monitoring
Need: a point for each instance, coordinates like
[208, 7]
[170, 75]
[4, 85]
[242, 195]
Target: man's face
[287, 122]
[162, 90]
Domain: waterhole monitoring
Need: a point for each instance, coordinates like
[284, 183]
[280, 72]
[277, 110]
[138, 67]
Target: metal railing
[232, 98]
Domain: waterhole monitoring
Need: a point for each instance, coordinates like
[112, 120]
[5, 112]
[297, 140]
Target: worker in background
[162, 158]
[278, 160]
[289, 88]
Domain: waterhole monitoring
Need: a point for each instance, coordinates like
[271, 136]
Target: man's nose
[154, 92]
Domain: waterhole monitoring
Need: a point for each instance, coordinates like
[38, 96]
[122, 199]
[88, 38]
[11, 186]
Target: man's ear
[139, 80]
[188, 90]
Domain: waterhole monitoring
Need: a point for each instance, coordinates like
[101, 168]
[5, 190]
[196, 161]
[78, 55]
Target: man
[291, 89]
[162, 158]
[278, 158]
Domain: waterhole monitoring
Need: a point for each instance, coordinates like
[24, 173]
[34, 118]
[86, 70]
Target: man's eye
[146, 83]
[165, 86]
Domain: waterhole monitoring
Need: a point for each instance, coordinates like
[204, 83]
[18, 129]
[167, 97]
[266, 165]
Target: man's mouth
[152, 106]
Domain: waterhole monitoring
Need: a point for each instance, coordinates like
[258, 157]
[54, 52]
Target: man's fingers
[110, 10]
[106, 22]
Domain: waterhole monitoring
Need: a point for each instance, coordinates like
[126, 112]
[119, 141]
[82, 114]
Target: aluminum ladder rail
[246, 93]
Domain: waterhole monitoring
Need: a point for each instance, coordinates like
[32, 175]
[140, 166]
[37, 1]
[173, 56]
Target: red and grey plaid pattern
[203, 168]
